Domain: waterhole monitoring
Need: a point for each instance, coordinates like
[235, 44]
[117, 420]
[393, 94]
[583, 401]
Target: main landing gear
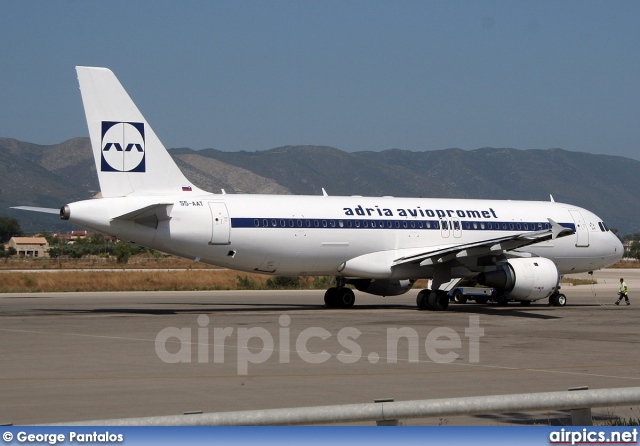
[432, 300]
[339, 298]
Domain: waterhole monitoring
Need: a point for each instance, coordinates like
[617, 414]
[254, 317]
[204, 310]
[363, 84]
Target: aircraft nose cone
[618, 248]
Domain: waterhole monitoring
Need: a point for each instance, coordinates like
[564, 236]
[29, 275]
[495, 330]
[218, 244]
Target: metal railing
[388, 412]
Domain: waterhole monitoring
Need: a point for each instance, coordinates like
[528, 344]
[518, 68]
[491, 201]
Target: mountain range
[50, 176]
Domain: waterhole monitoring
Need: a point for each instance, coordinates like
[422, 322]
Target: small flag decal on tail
[186, 188]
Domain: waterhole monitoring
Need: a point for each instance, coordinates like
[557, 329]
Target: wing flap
[486, 247]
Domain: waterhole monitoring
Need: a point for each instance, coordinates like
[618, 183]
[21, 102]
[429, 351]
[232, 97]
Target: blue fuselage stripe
[451, 225]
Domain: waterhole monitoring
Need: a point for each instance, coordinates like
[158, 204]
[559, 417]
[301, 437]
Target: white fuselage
[316, 235]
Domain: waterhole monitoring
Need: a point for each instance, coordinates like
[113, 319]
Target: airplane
[379, 245]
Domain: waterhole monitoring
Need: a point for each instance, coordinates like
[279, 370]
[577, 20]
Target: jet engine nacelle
[383, 287]
[523, 279]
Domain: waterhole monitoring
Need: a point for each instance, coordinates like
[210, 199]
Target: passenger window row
[396, 224]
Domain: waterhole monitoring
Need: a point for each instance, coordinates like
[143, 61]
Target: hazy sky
[356, 75]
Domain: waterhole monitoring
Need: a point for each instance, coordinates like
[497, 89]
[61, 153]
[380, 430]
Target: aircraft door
[221, 228]
[582, 232]
[444, 228]
[456, 225]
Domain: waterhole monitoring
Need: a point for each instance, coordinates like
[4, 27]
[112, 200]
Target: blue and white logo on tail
[123, 147]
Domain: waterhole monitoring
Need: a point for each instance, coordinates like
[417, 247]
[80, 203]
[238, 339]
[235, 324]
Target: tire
[502, 300]
[330, 299]
[558, 300]
[482, 300]
[421, 300]
[345, 297]
[438, 301]
[459, 298]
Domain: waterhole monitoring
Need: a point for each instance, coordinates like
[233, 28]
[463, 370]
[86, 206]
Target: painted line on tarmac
[281, 375]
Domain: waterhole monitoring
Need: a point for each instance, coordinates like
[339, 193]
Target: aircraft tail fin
[129, 157]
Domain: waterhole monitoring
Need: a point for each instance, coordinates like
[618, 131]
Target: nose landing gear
[557, 299]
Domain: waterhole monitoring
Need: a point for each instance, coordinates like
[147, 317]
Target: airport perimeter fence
[388, 413]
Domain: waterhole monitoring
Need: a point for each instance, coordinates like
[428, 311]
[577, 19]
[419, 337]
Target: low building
[29, 246]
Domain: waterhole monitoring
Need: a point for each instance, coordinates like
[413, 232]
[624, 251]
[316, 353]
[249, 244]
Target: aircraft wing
[485, 247]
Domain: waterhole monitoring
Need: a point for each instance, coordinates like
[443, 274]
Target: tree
[97, 239]
[282, 282]
[54, 240]
[5, 253]
[634, 250]
[9, 227]
[55, 252]
[123, 252]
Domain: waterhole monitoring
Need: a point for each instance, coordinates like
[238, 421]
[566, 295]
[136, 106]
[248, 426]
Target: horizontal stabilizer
[36, 209]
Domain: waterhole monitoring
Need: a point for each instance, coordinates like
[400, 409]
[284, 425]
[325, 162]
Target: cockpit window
[603, 227]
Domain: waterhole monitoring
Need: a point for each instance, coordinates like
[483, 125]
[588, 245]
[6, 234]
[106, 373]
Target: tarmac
[83, 356]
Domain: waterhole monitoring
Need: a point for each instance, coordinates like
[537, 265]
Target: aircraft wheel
[501, 300]
[558, 300]
[525, 303]
[421, 299]
[345, 297]
[438, 300]
[482, 300]
[459, 298]
[330, 298]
